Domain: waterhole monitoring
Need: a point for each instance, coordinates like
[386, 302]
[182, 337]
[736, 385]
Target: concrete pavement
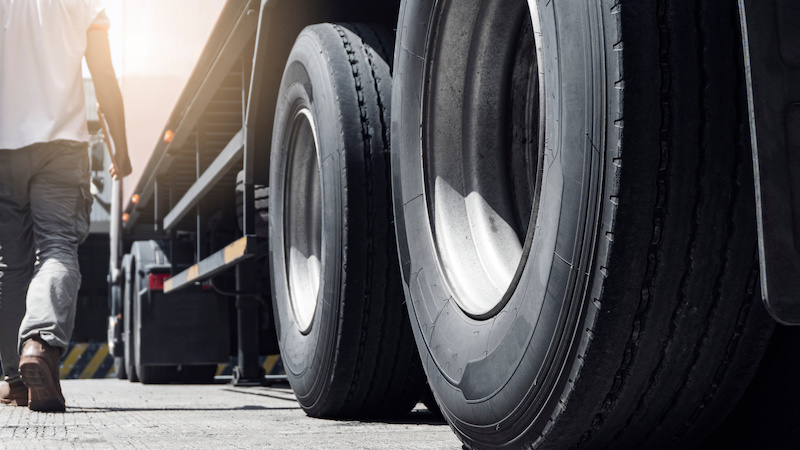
[107, 414]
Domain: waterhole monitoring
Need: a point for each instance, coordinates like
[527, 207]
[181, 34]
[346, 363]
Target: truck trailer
[564, 224]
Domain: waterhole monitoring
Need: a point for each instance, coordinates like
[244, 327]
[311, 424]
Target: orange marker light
[168, 135]
[135, 199]
[126, 217]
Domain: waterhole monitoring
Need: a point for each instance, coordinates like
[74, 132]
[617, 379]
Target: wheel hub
[303, 219]
[481, 148]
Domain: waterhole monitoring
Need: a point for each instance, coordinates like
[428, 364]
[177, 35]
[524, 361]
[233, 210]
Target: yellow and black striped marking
[272, 365]
[87, 360]
[92, 360]
[236, 252]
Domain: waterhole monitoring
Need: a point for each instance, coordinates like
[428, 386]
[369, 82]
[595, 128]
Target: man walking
[44, 182]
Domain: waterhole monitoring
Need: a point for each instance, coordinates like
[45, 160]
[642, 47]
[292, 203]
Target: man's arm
[98, 58]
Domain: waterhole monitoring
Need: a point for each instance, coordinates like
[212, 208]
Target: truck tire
[157, 374]
[116, 330]
[119, 368]
[575, 218]
[146, 253]
[430, 402]
[767, 414]
[343, 330]
[128, 290]
[197, 373]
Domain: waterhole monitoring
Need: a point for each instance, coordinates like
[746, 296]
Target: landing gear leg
[248, 372]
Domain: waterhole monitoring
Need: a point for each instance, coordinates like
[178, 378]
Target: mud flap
[771, 41]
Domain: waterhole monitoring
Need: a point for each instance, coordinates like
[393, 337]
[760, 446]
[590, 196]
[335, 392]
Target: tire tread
[644, 408]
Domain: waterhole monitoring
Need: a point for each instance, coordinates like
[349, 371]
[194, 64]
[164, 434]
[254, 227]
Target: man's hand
[124, 167]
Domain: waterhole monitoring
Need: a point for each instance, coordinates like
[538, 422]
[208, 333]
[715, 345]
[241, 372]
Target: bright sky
[158, 37]
[154, 48]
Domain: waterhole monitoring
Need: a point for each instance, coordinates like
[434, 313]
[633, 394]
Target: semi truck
[566, 224]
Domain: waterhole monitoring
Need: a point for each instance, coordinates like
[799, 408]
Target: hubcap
[303, 219]
[482, 150]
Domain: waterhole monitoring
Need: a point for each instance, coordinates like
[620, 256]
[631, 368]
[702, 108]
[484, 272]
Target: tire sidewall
[128, 311]
[144, 253]
[502, 377]
[141, 257]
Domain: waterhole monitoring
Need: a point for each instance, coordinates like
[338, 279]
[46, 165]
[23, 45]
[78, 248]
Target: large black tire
[116, 331]
[430, 402]
[343, 330]
[128, 292]
[120, 371]
[146, 253]
[157, 374]
[197, 374]
[767, 415]
[575, 218]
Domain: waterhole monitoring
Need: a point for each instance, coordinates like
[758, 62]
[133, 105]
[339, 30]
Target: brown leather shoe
[13, 393]
[38, 368]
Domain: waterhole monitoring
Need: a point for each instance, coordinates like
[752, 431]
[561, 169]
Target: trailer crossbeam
[238, 251]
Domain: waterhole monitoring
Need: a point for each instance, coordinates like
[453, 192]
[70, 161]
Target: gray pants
[45, 205]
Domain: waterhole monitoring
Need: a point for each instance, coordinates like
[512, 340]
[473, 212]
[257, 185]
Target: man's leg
[16, 268]
[60, 207]
[16, 254]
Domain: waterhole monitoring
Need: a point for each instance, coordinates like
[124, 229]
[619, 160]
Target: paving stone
[110, 414]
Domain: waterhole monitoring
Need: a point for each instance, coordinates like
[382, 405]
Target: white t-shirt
[41, 85]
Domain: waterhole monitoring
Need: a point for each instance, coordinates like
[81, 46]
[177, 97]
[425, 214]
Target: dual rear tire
[573, 205]
[342, 326]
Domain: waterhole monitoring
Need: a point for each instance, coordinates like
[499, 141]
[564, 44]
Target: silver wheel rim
[303, 219]
[483, 118]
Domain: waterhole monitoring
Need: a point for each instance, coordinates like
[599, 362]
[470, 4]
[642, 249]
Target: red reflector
[156, 281]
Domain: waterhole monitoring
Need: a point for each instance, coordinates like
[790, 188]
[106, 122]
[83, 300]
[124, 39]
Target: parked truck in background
[574, 222]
